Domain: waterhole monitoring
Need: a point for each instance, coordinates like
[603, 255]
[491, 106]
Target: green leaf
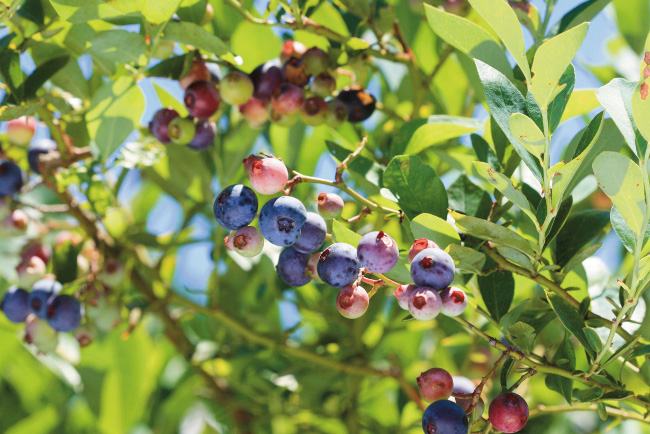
[623, 231]
[266, 47]
[616, 96]
[466, 259]
[621, 179]
[65, 261]
[514, 255]
[579, 257]
[497, 290]
[558, 105]
[192, 34]
[564, 358]
[81, 11]
[551, 60]
[468, 198]
[439, 129]
[8, 113]
[342, 234]
[167, 100]
[506, 187]
[486, 230]
[105, 45]
[582, 13]
[484, 152]
[602, 409]
[504, 22]
[401, 272]
[416, 186]
[570, 319]
[590, 394]
[523, 336]
[559, 220]
[505, 371]
[513, 315]
[115, 110]
[159, 11]
[403, 136]
[636, 16]
[616, 395]
[581, 102]
[640, 98]
[593, 338]
[435, 229]
[468, 38]
[504, 100]
[528, 134]
[580, 228]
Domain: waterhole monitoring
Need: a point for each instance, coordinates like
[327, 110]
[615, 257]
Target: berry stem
[479, 389]
[523, 378]
[349, 159]
[623, 414]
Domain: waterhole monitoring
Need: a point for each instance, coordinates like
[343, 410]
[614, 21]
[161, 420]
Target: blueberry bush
[315, 216]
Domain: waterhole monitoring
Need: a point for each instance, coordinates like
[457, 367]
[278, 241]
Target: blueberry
[466, 386]
[352, 301]
[378, 252]
[312, 234]
[281, 219]
[235, 207]
[42, 292]
[292, 267]
[11, 178]
[330, 205]
[37, 148]
[508, 412]
[434, 268]
[454, 301]
[403, 293]
[360, 104]
[435, 384]
[338, 265]
[201, 99]
[64, 313]
[445, 417]
[425, 303]
[266, 78]
[204, 135]
[14, 304]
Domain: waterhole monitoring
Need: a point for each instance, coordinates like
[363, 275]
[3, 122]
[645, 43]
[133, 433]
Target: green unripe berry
[236, 88]
[181, 130]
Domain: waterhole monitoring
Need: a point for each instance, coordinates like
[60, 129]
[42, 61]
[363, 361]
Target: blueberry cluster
[299, 85]
[508, 412]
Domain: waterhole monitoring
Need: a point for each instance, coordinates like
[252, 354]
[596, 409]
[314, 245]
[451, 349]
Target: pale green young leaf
[527, 133]
[167, 100]
[466, 259]
[641, 96]
[439, 129]
[435, 229]
[159, 11]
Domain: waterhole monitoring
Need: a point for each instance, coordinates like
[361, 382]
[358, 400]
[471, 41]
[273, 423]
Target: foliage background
[156, 202]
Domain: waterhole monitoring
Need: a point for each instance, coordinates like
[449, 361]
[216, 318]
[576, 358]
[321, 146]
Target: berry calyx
[281, 219]
[435, 384]
[247, 241]
[434, 268]
[236, 88]
[181, 130]
[352, 301]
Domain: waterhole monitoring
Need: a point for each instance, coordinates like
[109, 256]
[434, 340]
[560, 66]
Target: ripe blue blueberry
[292, 267]
[338, 265]
[281, 219]
[235, 207]
[42, 292]
[14, 304]
[445, 417]
[11, 178]
[378, 252]
[36, 148]
[433, 268]
[312, 234]
[204, 135]
[64, 313]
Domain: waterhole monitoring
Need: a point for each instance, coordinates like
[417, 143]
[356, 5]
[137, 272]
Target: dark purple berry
[281, 219]
[445, 417]
[434, 268]
[204, 135]
[11, 178]
[42, 292]
[292, 267]
[36, 149]
[312, 234]
[360, 105]
[159, 125]
[235, 207]
[64, 313]
[15, 305]
[201, 99]
[378, 252]
[338, 265]
[266, 78]
[508, 412]
[287, 98]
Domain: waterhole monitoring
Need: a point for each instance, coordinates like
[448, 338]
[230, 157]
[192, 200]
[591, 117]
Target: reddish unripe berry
[31, 270]
[236, 88]
[201, 99]
[247, 241]
[254, 112]
[181, 130]
[21, 130]
[159, 125]
[67, 237]
[359, 103]
[419, 245]
[85, 335]
[292, 49]
[18, 220]
[330, 205]
[268, 175]
[287, 98]
[311, 271]
[37, 249]
[435, 384]
[113, 272]
[323, 85]
[352, 301]
[316, 60]
[404, 293]
[204, 134]
[508, 412]
[425, 304]
[314, 111]
[198, 72]
[378, 252]
[283, 120]
[454, 301]
[266, 78]
[295, 72]
[338, 113]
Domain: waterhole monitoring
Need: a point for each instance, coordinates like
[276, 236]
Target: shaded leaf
[497, 290]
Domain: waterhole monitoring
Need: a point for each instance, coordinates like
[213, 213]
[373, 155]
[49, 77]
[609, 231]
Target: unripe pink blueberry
[21, 130]
[435, 384]
[255, 112]
[236, 88]
[35, 248]
[508, 412]
[403, 293]
[378, 252]
[40, 334]
[113, 272]
[31, 270]
[330, 204]
[247, 241]
[287, 98]
[419, 245]
[425, 304]
[64, 237]
[352, 301]
[292, 48]
[312, 264]
[267, 175]
[16, 222]
[454, 301]
[85, 335]
[198, 72]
